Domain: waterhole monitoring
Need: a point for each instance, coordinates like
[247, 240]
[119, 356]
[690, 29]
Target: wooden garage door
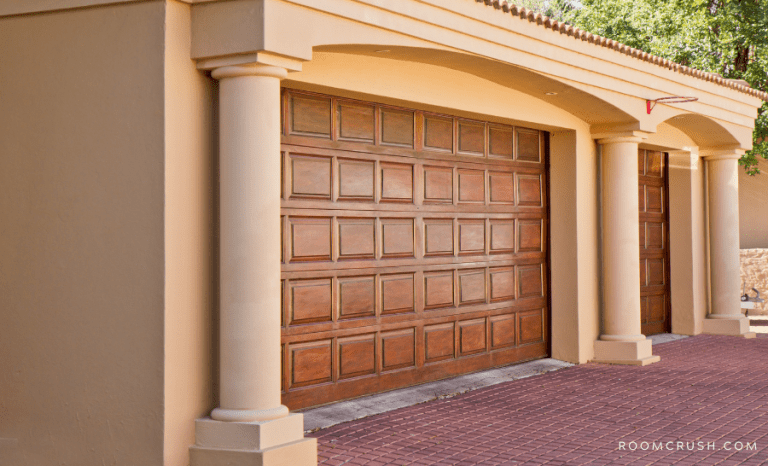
[654, 242]
[414, 247]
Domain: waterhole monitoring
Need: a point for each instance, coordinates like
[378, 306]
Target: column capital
[718, 153]
[620, 137]
[249, 69]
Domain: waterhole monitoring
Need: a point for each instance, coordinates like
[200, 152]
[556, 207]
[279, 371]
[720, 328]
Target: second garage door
[414, 247]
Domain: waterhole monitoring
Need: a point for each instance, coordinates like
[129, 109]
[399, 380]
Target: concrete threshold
[666, 338]
[344, 411]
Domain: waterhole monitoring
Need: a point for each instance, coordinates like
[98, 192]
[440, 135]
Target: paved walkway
[705, 403]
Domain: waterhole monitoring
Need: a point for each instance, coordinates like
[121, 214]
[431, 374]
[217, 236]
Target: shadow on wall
[754, 274]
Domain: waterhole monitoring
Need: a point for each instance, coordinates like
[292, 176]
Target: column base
[279, 442]
[737, 326]
[632, 353]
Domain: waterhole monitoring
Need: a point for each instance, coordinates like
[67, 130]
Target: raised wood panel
[503, 332]
[502, 283]
[357, 297]
[528, 146]
[501, 142]
[438, 289]
[471, 236]
[643, 272]
[529, 281]
[438, 237]
[397, 293]
[396, 127]
[311, 176]
[356, 238]
[310, 301]
[413, 247]
[471, 137]
[356, 180]
[655, 164]
[501, 187]
[311, 115]
[656, 308]
[655, 236]
[529, 190]
[642, 235]
[471, 186]
[641, 163]
[472, 337]
[656, 272]
[530, 235]
[398, 349]
[310, 363]
[356, 122]
[310, 239]
[438, 184]
[439, 342]
[531, 327]
[438, 133]
[654, 199]
[397, 237]
[502, 236]
[641, 198]
[396, 182]
[643, 310]
[357, 356]
[471, 286]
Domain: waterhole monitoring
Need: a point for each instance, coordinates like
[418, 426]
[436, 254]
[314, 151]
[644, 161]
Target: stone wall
[754, 274]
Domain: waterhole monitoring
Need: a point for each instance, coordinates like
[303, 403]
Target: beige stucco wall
[81, 236]
[688, 248]
[753, 208]
[574, 236]
[190, 245]
[754, 274]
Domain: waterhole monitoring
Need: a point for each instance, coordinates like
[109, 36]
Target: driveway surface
[705, 403]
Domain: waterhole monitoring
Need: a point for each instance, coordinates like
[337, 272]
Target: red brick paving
[706, 388]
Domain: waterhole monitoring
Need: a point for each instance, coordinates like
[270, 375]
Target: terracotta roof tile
[576, 33]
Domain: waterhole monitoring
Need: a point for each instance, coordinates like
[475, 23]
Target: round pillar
[621, 340]
[620, 240]
[250, 243]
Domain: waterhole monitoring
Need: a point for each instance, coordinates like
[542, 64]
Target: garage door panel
[472, 236]
[438, 184]
[438, 133]
[356, 180]
[310, 176]
[414, 247]
[471, 186]
[471, 137]
[501, 141]
[397, 127]
[310, 115]
[396, 182]
[356, 122]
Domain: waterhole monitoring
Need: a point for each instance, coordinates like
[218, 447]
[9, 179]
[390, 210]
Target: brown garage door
[414, 247]
[654, 241]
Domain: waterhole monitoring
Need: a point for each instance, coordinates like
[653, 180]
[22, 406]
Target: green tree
[729, 37]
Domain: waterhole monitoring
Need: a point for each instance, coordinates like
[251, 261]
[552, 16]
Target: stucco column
[249, 175]
[250, 423]
[621, 341]
[725, 315]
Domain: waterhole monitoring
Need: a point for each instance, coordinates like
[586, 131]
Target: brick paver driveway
[707, 391]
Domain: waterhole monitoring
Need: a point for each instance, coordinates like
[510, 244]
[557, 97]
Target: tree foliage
[729, 37]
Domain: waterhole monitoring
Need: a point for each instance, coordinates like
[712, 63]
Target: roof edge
[579, 34]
